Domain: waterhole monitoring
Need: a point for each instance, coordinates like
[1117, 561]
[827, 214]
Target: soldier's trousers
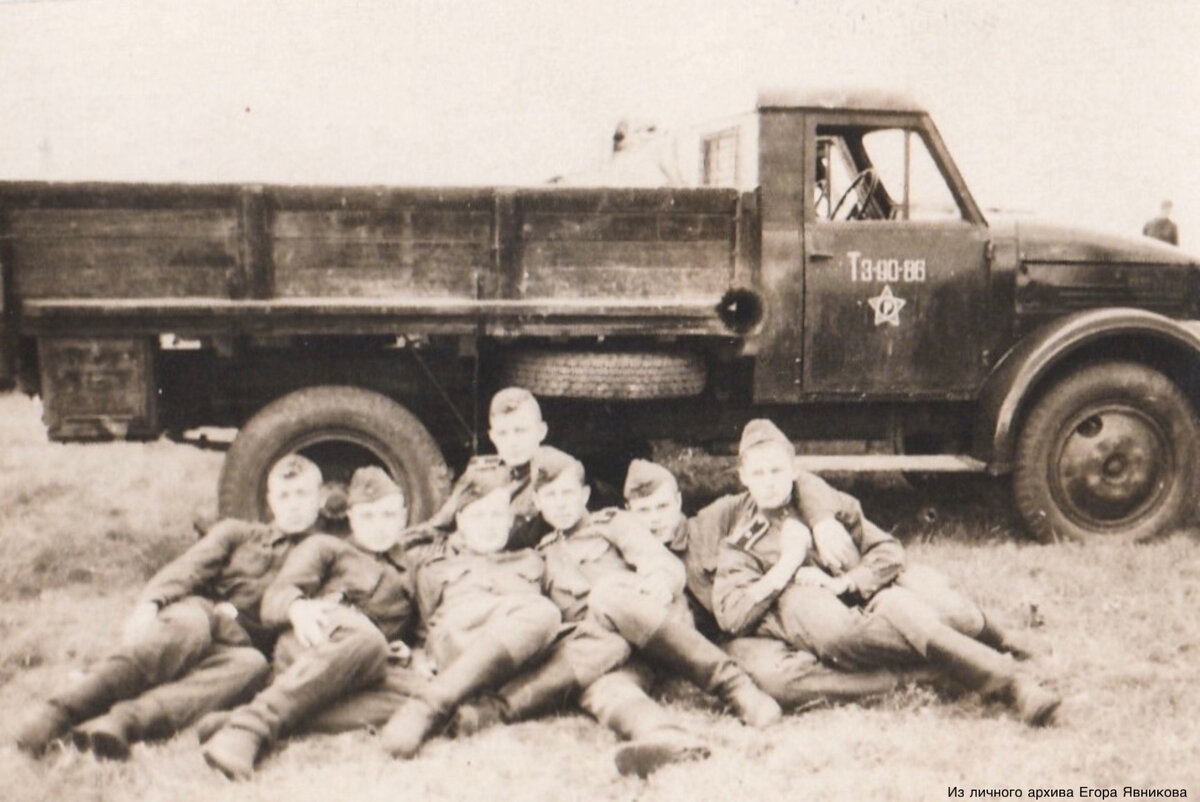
[308, 679]
[796, 678]
[191, 662]
[890, 631]
[619, 617]
[523, 624]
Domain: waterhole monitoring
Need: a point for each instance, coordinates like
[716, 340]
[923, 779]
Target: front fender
[1008, 387]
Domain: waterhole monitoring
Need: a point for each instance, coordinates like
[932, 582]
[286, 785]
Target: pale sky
[1084, 111]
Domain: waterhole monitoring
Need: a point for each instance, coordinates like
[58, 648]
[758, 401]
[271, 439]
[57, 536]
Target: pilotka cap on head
[549, 463]
[510, 399]
[293, 466]
[480, 483]
[370, 484]
[645, 477]
[761, 431]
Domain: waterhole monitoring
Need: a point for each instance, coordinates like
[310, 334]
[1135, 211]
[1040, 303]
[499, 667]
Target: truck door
[895, 263]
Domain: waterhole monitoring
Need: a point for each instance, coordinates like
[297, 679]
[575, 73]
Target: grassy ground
[81, 527]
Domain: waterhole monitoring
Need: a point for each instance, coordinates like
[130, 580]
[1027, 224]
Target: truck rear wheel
[1108, 454]
[341, 429]
[633, 375]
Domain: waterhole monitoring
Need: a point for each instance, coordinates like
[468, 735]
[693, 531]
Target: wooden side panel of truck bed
[195, 258]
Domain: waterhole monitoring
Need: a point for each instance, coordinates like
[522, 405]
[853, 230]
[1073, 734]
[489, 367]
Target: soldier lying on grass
[194, 642]
[349, 603]
[865, 613]
[619, 591]
[482, 605]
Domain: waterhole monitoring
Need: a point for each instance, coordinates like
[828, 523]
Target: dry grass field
[81, 527]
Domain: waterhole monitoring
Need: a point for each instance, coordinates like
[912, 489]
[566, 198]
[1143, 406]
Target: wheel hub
[1110, 465]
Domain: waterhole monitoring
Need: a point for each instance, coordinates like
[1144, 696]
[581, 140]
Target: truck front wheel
[341, 429]
[1108, 454]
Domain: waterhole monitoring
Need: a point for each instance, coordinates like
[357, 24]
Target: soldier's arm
[302, 575]
[743, 590]
[882, 560]
[645, 554]
[192, 571]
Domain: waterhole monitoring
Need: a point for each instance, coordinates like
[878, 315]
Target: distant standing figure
[1162, 227]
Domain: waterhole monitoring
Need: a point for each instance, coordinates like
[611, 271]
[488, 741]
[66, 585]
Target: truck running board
[936, 463]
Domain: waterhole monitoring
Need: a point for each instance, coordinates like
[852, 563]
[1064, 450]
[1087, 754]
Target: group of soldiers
[525, 601]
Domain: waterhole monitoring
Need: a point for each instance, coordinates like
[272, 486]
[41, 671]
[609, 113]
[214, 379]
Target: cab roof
[855, 99]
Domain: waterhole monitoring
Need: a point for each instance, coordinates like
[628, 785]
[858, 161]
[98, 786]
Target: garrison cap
[370, 484]
[549, 463]
[761, 431]
[645, 477]
[510, 399]
[293, 466]
[477, 485]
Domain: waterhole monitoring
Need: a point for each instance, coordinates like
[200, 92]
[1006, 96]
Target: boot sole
[217, 763]
[104, 745]
[1043, 714]
[645, 758]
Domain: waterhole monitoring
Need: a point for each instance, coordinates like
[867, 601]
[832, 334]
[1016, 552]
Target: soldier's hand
[399, 653]
[834, 546]
[140, 622]
[309, 622]
[794, 543]
[813, 577]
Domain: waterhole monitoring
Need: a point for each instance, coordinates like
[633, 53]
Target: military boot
[680, 647]
[45, 724]
[1018, 644]
[539, 690]
[233, 752]
[113, 679]
[983, 669]
[655, 739]
[481, 666]
[110, 735]
[211, 723]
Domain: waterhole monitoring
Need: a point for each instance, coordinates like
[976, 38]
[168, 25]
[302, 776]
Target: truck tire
[1109, 454]
[340, 428]
[635, 375]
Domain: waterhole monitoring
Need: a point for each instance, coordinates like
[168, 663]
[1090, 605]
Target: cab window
[879, 174]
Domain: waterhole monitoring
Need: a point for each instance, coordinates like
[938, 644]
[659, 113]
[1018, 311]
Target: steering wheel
[867, 176]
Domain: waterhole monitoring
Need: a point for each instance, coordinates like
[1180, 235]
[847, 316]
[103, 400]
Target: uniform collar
[277, 535]
[678, 542]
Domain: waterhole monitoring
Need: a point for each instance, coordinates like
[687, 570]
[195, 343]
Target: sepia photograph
[599, 400]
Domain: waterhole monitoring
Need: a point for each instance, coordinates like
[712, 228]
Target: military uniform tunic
[369, 602]
[464, 595]
[610, 562]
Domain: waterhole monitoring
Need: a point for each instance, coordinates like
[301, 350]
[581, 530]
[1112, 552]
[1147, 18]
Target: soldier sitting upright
[483, 607]
[516, 429]
[349, 606]
[769, 582]
[194, 642]
[794, 677]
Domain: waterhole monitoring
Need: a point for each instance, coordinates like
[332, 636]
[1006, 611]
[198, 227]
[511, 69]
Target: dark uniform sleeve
[882, 560]
[817, 500]
[191, 572]
[739, 602]
[303, 573]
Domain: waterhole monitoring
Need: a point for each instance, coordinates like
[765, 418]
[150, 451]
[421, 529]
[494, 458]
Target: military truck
[845, 284]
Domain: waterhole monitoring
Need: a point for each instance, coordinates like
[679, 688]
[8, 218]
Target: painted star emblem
[887, 307]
